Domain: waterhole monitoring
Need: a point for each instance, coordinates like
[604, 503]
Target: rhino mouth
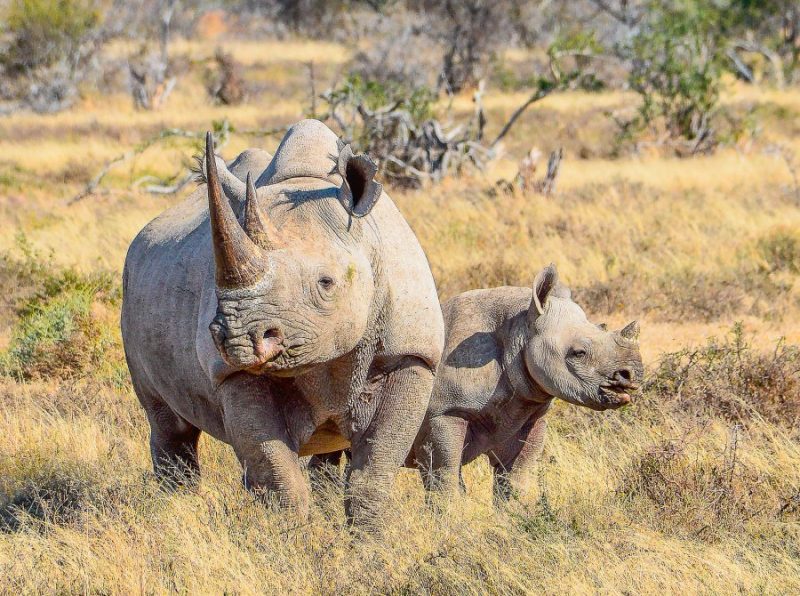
[613, 396]
[286, 362]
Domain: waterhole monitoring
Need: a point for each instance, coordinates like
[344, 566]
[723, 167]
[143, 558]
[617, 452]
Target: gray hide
[302, 320]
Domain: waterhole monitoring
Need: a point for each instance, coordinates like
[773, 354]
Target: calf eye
[325, 282]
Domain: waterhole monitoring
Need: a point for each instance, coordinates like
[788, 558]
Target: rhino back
[475, 325]
[414, 323]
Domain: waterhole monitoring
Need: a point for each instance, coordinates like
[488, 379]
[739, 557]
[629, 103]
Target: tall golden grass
[667, 495]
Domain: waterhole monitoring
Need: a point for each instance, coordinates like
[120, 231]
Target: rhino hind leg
[173, 446]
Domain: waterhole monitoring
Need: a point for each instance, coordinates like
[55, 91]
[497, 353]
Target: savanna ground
[693, 488]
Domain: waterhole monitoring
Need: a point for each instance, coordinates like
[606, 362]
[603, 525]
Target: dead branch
[623, 15]
[548, 185]
[540, 93]
[183, 177]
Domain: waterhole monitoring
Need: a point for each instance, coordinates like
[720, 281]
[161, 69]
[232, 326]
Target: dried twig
[548, 185]
[540, 93]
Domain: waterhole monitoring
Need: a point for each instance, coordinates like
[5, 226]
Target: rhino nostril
[273, 333]
[624, 374]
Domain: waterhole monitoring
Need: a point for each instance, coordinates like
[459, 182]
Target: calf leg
[257, 430]
[438, 454]
[513, 461]
[379, 450]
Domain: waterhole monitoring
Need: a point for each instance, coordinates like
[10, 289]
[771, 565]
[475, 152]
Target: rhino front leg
[380, 450]
[257, 430]
[438, 453]
[173, 445]
[513, 462]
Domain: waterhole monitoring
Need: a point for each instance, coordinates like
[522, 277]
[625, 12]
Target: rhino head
[284, 303]
[574, 359]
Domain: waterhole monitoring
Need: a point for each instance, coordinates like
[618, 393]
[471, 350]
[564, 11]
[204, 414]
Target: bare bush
[224, 80]
[396, 126]
[728, 378]
[151, 79]
[697, 494]
[469, 32]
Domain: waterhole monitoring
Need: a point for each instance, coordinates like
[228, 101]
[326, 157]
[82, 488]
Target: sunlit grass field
[695, 488]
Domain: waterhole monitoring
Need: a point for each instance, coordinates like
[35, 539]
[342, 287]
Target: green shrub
[44, 31]
[62, 329]
[677, 58]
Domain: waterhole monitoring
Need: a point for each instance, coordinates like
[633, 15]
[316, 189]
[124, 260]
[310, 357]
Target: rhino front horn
[631, 331]
[238, 260]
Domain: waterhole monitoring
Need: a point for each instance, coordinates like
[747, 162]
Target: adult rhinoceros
[295, 317]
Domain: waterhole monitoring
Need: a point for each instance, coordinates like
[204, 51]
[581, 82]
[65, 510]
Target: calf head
[573, 359]
[287, 304]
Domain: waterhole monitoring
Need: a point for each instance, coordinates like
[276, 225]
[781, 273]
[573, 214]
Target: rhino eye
[577, 353]
[326, 282]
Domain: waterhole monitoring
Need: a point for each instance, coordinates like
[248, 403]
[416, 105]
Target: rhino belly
[327, 438]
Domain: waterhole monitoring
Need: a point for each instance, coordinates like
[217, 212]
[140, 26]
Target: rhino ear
[359, 191]
[543, 286]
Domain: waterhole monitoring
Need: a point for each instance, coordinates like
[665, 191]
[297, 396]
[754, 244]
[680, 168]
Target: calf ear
[543, 286]
[359, 191]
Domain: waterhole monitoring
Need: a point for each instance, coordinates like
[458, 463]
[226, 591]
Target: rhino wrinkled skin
[508, 353]
[293, 316]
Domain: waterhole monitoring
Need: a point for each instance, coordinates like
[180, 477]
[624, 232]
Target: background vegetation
[676, 202]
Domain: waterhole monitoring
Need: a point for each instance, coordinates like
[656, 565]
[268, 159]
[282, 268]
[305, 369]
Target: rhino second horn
[238, 260]
[258, 228]
[631, 331]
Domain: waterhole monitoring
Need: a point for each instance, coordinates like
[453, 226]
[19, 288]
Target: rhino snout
[247, 350]
[269, 346]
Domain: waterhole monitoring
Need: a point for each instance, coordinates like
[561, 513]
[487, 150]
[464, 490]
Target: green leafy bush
[44, 31]
[50, 49]
[63, 328]
[677, 57]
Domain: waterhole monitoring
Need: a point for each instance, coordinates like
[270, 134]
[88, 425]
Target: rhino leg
[173, 445]
[380, 450]
[438, 453]
[513, 461]
[258, 433]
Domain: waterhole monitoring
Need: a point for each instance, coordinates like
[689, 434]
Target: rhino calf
[508, 353]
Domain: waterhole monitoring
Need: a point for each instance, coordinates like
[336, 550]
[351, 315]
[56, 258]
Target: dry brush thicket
[694, 488]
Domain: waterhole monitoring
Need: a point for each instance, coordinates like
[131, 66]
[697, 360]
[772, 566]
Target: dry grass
[695, 488]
